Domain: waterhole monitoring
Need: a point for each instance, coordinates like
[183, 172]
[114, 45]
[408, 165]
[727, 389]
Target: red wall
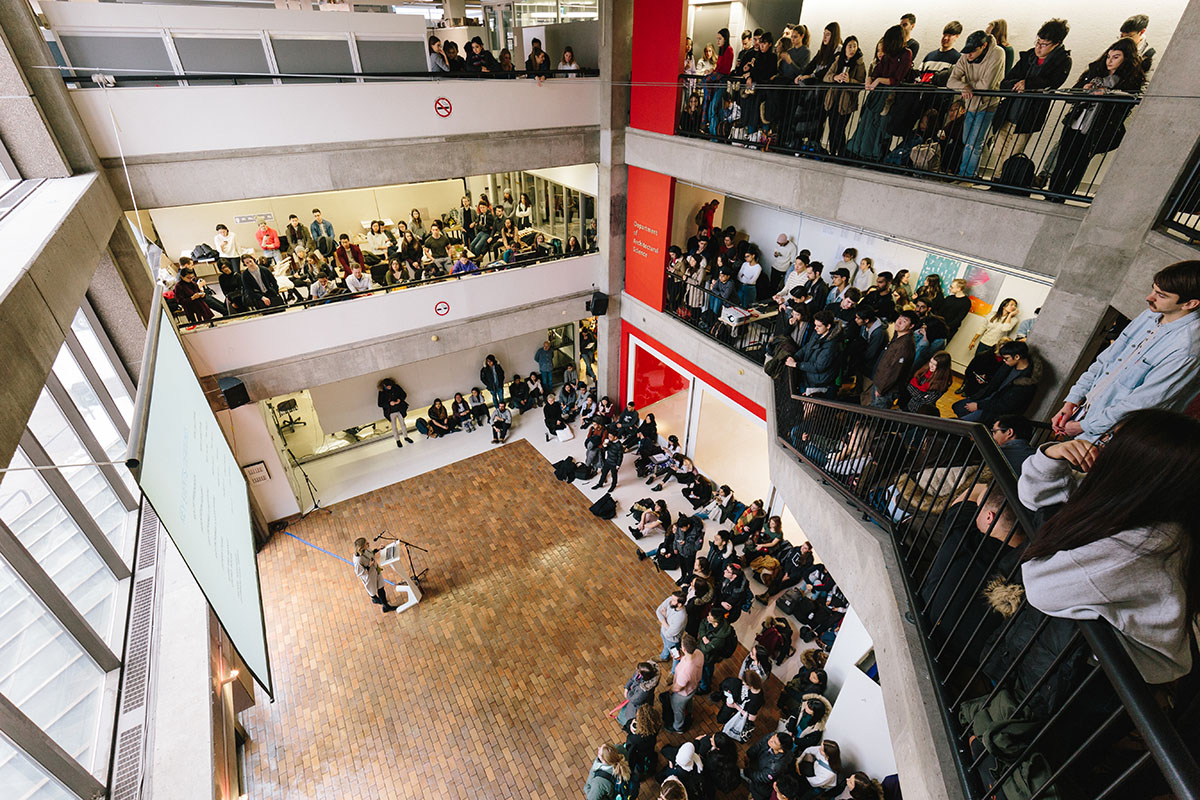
[658, 39]
[647, 234]
[628, 330]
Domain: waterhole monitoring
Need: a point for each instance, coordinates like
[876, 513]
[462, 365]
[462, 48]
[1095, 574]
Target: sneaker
[596, 486]
[399, 443]
[650, 480]
[635, 531]
[763, 598]
[656, 489]
[408, 440]
[387, 608]
[376, 601]
[641, 555]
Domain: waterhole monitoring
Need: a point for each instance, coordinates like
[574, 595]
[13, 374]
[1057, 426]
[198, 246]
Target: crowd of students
[314, 262]
[801, 94]
[445, 57]
[853, 333]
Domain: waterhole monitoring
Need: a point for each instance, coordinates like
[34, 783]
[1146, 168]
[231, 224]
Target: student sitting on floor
[501, 423]
[479, 409]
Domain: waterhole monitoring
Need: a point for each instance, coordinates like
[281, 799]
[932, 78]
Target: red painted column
[658, 40]
[647, 233]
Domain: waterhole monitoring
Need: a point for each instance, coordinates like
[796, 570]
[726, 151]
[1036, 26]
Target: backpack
[605, 507]
[727, 648]
[583, 471]
[1019, 171]
[622, 790]
[776, 639]
[565, 470]
[794, 603]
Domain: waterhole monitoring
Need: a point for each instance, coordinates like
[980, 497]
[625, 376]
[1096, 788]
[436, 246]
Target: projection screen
[190, 477]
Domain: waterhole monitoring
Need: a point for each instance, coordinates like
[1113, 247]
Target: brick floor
[495, 686]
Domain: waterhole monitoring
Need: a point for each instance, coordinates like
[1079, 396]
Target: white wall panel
[163, 119]
[858, 722]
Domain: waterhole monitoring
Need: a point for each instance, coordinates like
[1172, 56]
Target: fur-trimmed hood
[819, 725]
[912, 494]
[1033, 375]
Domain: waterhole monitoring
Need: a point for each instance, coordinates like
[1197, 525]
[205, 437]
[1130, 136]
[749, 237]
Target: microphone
[380, 536]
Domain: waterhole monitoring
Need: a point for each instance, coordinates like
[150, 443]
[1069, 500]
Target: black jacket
[1028, 114]
[998, 398]
[1108, 126]
[734, 592]
[689, 537]
[954, 311]
[614, 453]
[387, 395]
[492, 377]
[552, 412]
[763, 766]
[820, 358]
[253, 295]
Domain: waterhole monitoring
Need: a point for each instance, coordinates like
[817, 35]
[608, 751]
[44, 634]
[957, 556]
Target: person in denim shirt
[1154, 363]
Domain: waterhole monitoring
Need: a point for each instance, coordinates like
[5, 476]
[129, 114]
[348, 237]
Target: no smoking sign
[442, 107]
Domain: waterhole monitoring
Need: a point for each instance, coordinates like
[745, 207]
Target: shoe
[547, 437]
[656, 489]
[495, 441]
[399, 443]
[408, 440]
[763, 598]
[596, 486]
[715, 697]
[387, 608]
[637, 535]
[641, 555]
[376, 601]
[635, 530]
[650, 480]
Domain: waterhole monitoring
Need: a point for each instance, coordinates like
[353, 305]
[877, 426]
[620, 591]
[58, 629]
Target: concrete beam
[185, 178]
[1016, 231]
[737, 372]
[339, 364]
[863, 561]
[56, 237]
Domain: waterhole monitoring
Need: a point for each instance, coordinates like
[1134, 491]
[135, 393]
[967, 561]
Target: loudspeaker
[598, 305]
[234, 391]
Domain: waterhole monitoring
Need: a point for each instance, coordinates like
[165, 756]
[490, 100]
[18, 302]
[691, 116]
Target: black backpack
[605, 507]
[1018, 171]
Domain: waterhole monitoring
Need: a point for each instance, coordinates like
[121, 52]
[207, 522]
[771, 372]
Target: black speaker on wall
[598, 305]
[234, 391]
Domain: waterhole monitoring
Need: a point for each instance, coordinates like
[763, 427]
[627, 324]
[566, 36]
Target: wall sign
[251, 219]
[442, 107]
[442, 308]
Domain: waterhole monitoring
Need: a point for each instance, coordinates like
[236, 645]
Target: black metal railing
[1182, 215]
[83, 78]
[1070, 716]
[340, 293]
[745, 329]
[919, 130]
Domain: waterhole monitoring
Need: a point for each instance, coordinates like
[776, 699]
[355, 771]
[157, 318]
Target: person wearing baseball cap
[782, 256]
[979, 68]
[839, 282]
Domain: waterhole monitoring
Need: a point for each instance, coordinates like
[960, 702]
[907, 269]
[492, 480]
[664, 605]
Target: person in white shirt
[672, 617]
[568, 60]
[226, 247]
[820, 764]
[748, 278]
[357, 280]
[864, 273]
[781, 260]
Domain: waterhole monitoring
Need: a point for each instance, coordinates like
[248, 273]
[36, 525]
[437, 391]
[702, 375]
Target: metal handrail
[1182, 212]
[379, 290]
[794, 121]
[1163, 742]
[75, 76]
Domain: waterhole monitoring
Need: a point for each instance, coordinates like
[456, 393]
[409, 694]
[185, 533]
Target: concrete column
[616, 34]
[1098, 270]
[454, 9]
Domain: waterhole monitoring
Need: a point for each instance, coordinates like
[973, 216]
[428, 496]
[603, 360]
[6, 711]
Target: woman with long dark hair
[929, 384]
[848, 70]
[892, 63]
[1091, 128]
[1122, 546]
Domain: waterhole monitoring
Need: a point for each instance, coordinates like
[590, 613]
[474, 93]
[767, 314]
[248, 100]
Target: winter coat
[895, 364]
[734, 592]
[845, 101]
[1028, 115]
[492, 377]
[1107, 126]
[638, 691]
[614, 453]
[998, 398]
[689, 538]
[387, 395]
[819, 358]
[805, 731]
[763, 766]
[718, 640]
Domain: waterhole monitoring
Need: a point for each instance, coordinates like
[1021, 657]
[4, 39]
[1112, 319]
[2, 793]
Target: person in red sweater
[716, 79]
[268, 240]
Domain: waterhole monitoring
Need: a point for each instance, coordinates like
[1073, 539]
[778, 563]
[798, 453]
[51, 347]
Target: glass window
[63, 446]
[39, 521]
[103, 366]
[67, 370]
[44, 671]
[22, 777]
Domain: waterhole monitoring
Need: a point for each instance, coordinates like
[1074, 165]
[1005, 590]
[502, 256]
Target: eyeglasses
[1042, 43]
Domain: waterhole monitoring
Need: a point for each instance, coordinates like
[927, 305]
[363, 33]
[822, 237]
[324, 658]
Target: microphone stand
[312, 490]
[414, 576]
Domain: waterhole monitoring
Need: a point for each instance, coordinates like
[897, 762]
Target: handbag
[739, 727]
[926, 156]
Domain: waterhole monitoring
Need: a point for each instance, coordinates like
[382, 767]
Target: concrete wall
[1019, 232]
[180, 179]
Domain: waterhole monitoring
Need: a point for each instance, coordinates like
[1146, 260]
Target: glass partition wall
[559, 211]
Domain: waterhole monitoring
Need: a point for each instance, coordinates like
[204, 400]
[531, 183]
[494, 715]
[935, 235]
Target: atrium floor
[497, 685]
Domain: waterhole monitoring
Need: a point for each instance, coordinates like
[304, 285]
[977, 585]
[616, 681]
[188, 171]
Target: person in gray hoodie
[1122, 547]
